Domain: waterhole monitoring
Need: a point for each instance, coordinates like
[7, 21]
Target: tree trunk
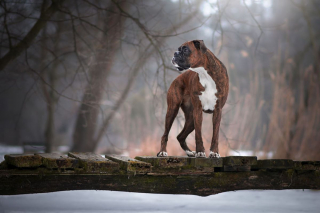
[140, 63]
[86, 123]
[84, 141]
[49, 91]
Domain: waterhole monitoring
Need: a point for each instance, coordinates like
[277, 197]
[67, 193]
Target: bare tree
[17, 49]
[105, 50]
[87, 124]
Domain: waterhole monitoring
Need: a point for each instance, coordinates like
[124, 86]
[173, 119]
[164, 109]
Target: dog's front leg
[214, 148]
[197, 116]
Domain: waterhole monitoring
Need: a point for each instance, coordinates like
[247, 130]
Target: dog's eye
[185, 50]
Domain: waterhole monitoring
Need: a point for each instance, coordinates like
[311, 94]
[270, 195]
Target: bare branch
[255, 20]
[32, 34]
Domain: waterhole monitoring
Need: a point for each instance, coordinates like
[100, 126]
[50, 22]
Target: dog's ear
[199, 44]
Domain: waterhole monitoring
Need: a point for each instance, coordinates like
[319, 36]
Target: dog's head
[189, 54]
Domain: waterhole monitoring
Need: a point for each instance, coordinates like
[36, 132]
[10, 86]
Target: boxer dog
[202, 87]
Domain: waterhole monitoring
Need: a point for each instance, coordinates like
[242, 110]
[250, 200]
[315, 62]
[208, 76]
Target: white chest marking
[208, 97]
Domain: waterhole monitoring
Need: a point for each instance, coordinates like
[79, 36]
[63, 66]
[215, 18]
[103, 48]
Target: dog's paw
[162, 154]
[214, 155]
[200, 155]
[190, 153]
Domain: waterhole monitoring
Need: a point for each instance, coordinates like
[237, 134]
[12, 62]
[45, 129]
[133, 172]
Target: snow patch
[259, 154]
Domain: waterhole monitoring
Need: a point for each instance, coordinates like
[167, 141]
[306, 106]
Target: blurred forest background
[92, 75]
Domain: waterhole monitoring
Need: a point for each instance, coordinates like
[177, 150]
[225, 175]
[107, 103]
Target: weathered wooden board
[206, 164]
[166, 162]
[58, 161]
[237, 168]
[238, 163]
[181, 164]
[129, 164]
[92, 162]
[173, 175]
[239, 160]
[274, 164]
[307, 165]
[217, 182]
[172, 164]
[24, 160]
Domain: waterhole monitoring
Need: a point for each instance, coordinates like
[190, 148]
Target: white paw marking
[208, 97]
[162, 154]
[214, 155]
[190, 153]
[200, 155]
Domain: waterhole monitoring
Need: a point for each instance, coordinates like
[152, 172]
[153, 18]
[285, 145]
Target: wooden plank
[130, 165]
[23, 160]
[58, 161]
[236, 168]
[238, 163]
[239, 160]
[166, 162]
[207, 164]
[307, 165]
[274, 174]
[170, 164]
[178, 163]
[92, 162]
[21, 183]
[274, 164]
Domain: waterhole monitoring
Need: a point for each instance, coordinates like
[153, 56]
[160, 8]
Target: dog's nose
[176, 54]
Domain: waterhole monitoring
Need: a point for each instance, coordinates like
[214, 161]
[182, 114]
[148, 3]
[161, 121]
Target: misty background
[92, 75]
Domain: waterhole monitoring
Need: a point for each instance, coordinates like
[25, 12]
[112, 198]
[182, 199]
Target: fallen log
[169, 175]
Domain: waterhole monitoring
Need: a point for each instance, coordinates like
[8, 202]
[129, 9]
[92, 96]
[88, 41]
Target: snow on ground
[285, 201]
[259, 154]
[4, 149]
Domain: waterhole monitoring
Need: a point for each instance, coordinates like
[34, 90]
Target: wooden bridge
[40, 173]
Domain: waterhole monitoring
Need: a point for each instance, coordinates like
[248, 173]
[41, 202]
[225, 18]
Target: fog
[93, 75]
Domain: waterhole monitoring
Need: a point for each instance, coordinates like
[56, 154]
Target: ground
[284, 201]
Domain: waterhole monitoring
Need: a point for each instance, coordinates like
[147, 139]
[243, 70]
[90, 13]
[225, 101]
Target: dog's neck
[210, 61]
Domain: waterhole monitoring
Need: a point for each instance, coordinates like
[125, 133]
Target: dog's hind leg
[174, 99]
[172, 112]
[188, 126]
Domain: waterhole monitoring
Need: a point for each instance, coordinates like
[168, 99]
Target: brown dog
[202, 88]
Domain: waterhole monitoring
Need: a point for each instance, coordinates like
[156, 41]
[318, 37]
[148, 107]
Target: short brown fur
[184, 92]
